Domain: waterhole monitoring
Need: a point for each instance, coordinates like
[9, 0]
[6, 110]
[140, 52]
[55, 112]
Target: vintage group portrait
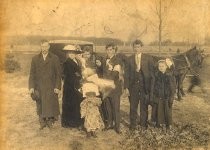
[105, 75]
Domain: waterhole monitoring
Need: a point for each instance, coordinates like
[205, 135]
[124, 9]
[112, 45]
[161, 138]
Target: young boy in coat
[163, 95]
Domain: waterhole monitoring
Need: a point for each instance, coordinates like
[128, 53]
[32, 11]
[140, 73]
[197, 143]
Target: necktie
[138, 62]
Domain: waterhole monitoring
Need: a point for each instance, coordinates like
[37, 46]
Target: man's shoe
[42, 126]
[190, 91]
[143, 129]
[152, 123]
[132, 128]
[109, 127]
[118, 131]
[49, 124]
[169, 127]
[94, 134]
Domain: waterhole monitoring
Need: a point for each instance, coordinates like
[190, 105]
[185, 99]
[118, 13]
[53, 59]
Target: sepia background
[163, 27]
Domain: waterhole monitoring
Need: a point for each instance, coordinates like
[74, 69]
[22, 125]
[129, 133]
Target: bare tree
[136, 31]
[161, 11]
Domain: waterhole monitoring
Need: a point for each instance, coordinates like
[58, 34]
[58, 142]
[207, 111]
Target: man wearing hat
[45, 84]
[72, 97]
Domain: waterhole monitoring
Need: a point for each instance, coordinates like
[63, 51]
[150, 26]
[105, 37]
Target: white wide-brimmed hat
[73, 49]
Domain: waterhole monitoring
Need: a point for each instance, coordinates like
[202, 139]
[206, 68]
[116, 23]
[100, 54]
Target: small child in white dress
[89, 109]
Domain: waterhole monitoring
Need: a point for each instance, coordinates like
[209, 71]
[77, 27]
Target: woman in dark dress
[71, 95]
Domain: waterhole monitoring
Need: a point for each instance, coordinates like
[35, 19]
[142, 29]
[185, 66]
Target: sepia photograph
[105, 75]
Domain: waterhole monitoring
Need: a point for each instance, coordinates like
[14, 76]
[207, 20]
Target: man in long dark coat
[45, 83]
[139, 78]
[111, 68]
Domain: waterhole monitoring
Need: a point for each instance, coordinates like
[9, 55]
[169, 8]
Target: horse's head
[195, 56]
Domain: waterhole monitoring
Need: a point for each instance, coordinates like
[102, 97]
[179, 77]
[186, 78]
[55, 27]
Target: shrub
[10, 64]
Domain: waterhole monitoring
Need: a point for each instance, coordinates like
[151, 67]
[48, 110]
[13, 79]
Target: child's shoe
[163, 126]
[89, 134]
[50, 124]
[93, 133]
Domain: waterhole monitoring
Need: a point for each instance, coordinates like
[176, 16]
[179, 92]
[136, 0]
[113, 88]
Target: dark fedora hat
[35, 96]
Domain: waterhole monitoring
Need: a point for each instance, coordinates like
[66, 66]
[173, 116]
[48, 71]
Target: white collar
[44, 55]
[111, 57]
[138, 54]
[75, 60]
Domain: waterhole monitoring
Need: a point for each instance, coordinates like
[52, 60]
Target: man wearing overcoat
[45, 85]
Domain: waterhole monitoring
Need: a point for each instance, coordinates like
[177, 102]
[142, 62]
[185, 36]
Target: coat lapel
[43, 62]
[132, 67]
[142, 61]
[73, 63]
[41, 59]
[133, 63]
[113, 58]
[47, 58]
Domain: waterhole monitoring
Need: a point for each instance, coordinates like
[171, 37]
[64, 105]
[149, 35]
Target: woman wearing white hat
[71, 95]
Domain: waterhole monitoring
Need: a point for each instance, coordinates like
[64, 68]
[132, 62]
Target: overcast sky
[124, 19]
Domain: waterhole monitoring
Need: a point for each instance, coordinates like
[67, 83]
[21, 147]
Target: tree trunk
[160, 26]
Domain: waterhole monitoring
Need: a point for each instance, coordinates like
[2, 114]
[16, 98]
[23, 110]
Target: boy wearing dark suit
[111, 69]
[139, 78]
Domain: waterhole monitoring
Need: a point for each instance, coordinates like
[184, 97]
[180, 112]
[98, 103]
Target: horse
[183, 63]
[202, 74]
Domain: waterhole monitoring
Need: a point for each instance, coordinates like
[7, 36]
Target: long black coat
[147, 69]
[45, 76]
[71, 96]
[164, 89]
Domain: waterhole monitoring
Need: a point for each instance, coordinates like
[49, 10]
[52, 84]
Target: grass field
[21, 129]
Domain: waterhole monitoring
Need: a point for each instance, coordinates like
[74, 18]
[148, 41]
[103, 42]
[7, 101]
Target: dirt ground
[21, 128]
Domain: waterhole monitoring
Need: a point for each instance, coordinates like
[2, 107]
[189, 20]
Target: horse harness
[188, 65]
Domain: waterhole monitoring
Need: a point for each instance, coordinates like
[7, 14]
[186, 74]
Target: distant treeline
[169, 42]
[99, 41]
[34, 40]
[207, 40]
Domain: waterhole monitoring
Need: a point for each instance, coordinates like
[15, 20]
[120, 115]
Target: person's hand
[31, 91]
[170, 104]
[77, 74]
[110, 67]
[56, 91]
[98, 63]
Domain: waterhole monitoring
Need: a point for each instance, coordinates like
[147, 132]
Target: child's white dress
[89, 109]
